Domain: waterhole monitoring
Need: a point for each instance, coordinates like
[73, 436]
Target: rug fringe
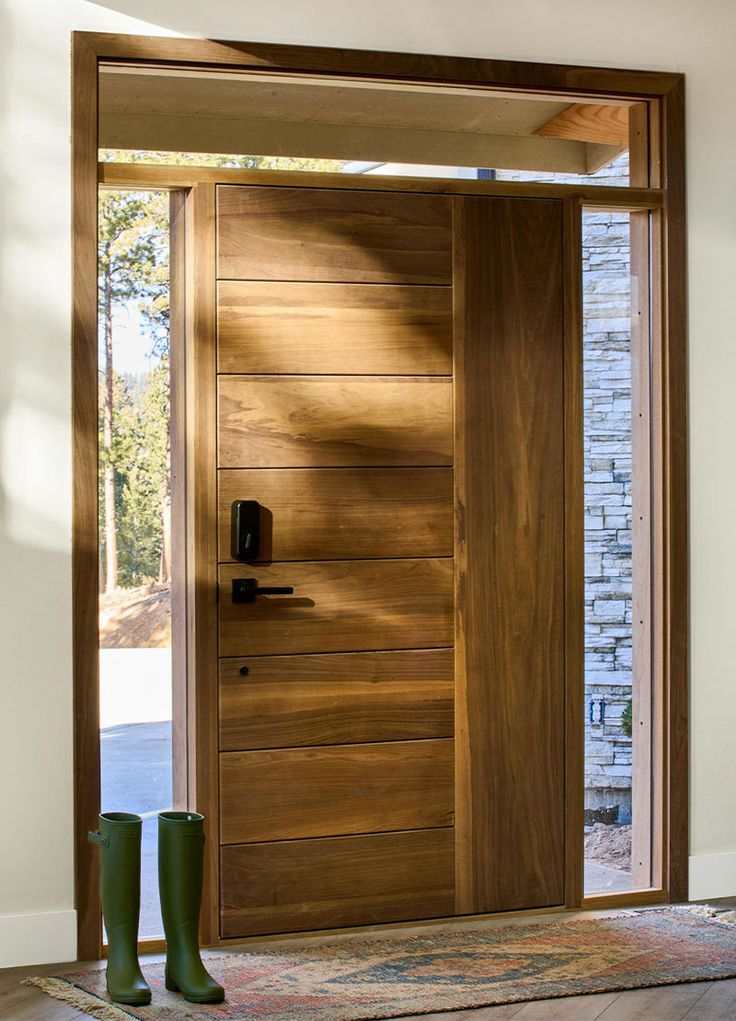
[707, 911]
[65, 991]
[701, 910]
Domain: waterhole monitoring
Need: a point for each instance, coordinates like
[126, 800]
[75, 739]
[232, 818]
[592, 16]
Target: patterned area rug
[359, 978]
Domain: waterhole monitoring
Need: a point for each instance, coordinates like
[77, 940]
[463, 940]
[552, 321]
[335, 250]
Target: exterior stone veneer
[607, 424]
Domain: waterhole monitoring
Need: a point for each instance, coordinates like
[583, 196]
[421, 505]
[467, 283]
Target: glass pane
[351, 125]
[134, 519]
[617, 767]
[614, 174]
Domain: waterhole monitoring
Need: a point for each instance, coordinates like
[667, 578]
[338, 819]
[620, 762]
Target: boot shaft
[119, 837]
[180, 864]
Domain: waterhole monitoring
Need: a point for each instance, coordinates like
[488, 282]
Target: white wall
[694, 36]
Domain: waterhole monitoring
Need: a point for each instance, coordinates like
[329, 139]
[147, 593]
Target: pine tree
[135, 455]
[131, 250]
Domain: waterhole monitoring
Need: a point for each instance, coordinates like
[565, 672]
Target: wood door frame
[663, 193]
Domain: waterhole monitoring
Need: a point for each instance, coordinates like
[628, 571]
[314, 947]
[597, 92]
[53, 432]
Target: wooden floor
[696, 1001]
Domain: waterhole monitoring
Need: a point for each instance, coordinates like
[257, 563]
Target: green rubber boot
[180, 859]
[119, 837]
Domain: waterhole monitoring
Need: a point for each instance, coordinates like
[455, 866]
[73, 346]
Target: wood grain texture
[290, 886]
[569, 1008]
[354, 138]
[431, 68]
[201, 536]
[419, 67]
[340, 606]
[628, 898]
[598, 156]
[123, 175]
[589, 122]
[335, 513]
[675, 495]
[313, 421]
[511, 693]
[717, 1003]
[328, 235]
[574, 554]
[85, 548]
[643, 834]
[178, 461]
[672, 1003]
[639, 148]
[288, 701]
[334, 328]
[660, 849]
[325, 791]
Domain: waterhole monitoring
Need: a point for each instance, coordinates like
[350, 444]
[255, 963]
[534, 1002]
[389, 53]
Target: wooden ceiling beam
[332, 141]
[590, 122]
[599, 156]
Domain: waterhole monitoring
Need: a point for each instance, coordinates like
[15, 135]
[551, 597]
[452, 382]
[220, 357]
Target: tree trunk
[165, 567]
[111, 540]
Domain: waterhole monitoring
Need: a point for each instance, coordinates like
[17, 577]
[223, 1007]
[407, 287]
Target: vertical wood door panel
[334, 513]
[510, 452]
[293, 793]
[342, 236]
[348, 329]
[293, 885]
[339, 606]
[318, 421]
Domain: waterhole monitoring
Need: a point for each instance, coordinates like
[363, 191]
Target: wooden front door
[390, 736]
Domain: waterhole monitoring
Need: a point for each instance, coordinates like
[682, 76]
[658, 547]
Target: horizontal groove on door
[352, 237]
[344, 698]
[339, 606]
[288, 794]
[335, 513]
[312, 421]
[285, 655]
[292, 886]
[274, 327]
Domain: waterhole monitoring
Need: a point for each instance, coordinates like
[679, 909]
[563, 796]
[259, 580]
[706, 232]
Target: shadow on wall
[35, 599]
[35, 732]
[332, 23]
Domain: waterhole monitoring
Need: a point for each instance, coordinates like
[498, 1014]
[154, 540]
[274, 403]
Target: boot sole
[130, 1001]
[174, 988]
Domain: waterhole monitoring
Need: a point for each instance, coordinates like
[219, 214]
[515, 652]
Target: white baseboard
[712, 875]
[48, 937]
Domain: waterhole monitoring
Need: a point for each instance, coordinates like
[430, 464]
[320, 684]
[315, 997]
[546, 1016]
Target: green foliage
[143, 430]
[209, 159]
[627, 719]
[140, 453]
[133, 267]
[132, 254]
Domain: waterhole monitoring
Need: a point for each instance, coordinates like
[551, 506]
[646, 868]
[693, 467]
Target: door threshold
[416, 927]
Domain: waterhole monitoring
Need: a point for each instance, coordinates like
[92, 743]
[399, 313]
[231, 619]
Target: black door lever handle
[245, 590]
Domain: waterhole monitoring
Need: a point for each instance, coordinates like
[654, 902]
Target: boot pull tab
[99, 838]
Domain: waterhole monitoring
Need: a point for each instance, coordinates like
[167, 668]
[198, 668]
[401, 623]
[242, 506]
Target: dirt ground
[609, 845]
[136, 618]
